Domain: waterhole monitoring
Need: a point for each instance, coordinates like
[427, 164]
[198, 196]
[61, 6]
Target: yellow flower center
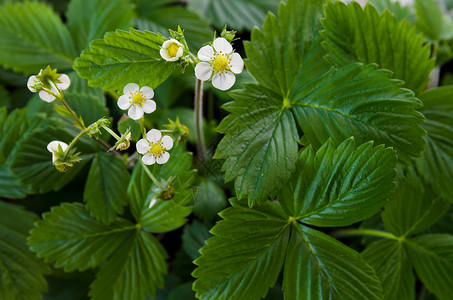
[173, 49]
[220, 63]
[138, 99]
[157, 149]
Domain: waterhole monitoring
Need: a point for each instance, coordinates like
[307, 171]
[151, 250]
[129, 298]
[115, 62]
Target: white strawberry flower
[171, 50]
[50, 80]
[53, 146]
[137, 100]
[220, 63]
[155, 147]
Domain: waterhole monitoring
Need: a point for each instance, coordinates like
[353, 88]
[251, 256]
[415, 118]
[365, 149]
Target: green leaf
[390, 260]
[161, 18]
[209, 200]
[237, 14]
[87, 102]
[432, 258]
[413, 208]
[245, 256]
[194, 237]
[105, 189]
[89, 20]
[68, 236]
[10, 186]
[32, 162]
[319, 267]
[436, 165]
[22, 272]
[284, 45]
[340, 186]
[396, 8]
[354, 34]
[429, 18]
[156, 215]
[133, 272]
[123, 57]
[260, 143]
[361, 101]
[33, 36]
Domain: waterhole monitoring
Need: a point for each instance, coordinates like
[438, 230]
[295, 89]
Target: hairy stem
[198, 105]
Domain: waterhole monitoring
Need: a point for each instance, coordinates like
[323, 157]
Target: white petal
[203, 71]
[147, 92]
[152, 202]
[236, 63]
[205, 53]
[179, 53]
[222, 45]
[65, 82]
[130, 88]
[163, 158]
[124, 102]
[223, 81]
[142, 146]
[167, 142]
[167, 43]
[148, 159]
[46, 96]
[31, 83]
[154, 136]
[149, 106]
[53, 146]
[164, 54]
[135, 112]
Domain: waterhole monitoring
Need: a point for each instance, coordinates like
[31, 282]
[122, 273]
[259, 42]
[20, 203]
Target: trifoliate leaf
[32, 162]
[413, 207]
[161, 18]
[245, 256]
[432, 258]
[32, 36]
[319, 267]
[390, 260]
[134, 270]
[436, 165]
[340, 186]
[123, 57]
[21, 271]
[354, 34]
[296, 84]
[89, 20]
[154, 214]
[239, 14]
[71, 238]
[105, 189]
[361, 101]
[260, 145]
[193, 238]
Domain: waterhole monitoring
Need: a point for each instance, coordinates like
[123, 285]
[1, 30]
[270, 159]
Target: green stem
[66, 153]
[142, 125]
[153, 178]
[198, 106]
[371, 232]
[112, 133]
